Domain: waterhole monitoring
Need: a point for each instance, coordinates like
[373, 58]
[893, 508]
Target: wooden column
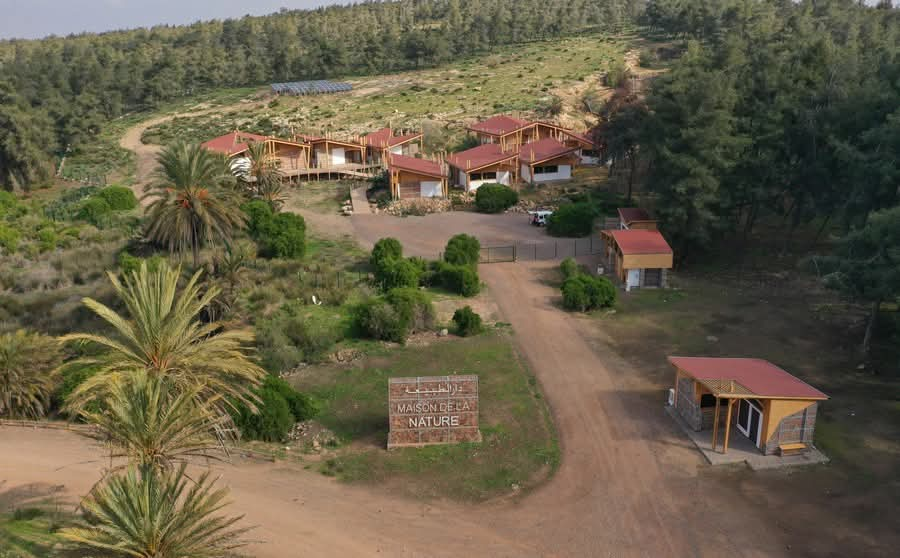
[715, 436]
[728, 425]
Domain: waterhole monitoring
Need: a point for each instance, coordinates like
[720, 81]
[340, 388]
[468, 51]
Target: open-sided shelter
[385, 141]
[329, 152]
[290, 156]
[416, 178]
[585, 149]
[639, 258]
[773, 409]
[546, 160]
[485, 164]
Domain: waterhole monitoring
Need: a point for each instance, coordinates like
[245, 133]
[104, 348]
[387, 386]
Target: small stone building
[773, 409]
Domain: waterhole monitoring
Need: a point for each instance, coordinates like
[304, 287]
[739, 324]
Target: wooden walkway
[359, 201]
[349, 170]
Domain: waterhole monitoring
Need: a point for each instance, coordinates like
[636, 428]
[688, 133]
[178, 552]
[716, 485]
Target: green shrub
[302, 406]
[8, 201]
[568, 267]
[384, 249]
[67, 206]
[460, 279]
[119, 198]
[273, 420]
[47, 238]
[378, 319]
[128, 264]
[259, 216]
[282, 235]
[583, 292]
[467, 322]
[290, 337]
[413, 307]
[494, 198]
[26, 514]
[572, 220]
[393, 273]
[70, 378]
[96, 211]
[9, 238]
[462, 249]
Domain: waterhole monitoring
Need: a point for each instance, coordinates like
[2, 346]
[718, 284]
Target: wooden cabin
[546, 160]
[384, 142]
[774, 410]
[485, 164]
[331, 153]
[416, 178]
[290, 156]
[507, 131]
[587, 152]
[639, 258]
[635, 218]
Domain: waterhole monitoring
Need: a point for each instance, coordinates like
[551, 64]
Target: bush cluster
[583, 292]
[569, 267]
[128, 264]
[290, 337]
[280, 406]
[463, 249]
[277, 235]
[494, 198]
[457, 272]
[467, 322]
[96, 211]
[572, 220]
[392, 318]
[119, 198]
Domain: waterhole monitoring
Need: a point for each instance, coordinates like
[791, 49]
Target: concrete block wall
[686, 406]
[798, 427]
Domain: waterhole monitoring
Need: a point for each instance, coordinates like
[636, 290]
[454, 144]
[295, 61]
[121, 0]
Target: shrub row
[456, 273]
[583, 292]
[393, 317]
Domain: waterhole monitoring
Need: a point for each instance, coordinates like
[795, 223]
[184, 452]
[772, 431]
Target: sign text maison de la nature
[433, 410]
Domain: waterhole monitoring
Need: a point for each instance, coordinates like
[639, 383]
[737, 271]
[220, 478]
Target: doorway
[749, 419]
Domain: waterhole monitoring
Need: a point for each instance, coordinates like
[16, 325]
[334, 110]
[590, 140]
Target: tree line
[784, 112]
[58, 93]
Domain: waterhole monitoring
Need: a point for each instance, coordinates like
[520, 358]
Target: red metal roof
[385, 138]
[759, 376]
[639, 241]
[543, 150]
[632, 214]
[500, 125]
[232, 143]
[478, 157]
[412, 164]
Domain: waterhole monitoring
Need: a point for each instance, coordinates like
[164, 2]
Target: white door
[430, 189]
[338, 157]
[503, 178]
[633, 279]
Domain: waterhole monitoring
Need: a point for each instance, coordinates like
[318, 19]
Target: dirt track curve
[628, 484]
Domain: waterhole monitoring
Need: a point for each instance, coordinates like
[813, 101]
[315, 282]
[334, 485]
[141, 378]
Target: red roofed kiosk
[639, 258]
[773, 409]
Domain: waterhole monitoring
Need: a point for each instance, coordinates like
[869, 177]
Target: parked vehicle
[539, 218]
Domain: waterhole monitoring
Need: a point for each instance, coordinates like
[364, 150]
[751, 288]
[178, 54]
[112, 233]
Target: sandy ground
[628, 484]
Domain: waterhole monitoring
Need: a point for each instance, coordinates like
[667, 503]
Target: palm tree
[27, 373]
[190, 207]
[153, 513]
[147, 420]
[160, 333]
[262, 176]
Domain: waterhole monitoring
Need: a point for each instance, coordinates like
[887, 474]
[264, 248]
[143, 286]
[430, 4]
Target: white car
[539, 218]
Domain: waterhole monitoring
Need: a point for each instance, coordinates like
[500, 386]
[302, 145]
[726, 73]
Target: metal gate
[535, 251]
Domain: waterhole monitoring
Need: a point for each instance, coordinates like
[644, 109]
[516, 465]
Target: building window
[588, 153]
[548, 169]
[484, 176]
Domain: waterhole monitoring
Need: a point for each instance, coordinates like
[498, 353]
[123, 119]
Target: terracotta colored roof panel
[500, 125]
[543, 150]
[478, 157]
[639, 241]
[385, 138]
[632, 214]
[420, 166]
[759, 376]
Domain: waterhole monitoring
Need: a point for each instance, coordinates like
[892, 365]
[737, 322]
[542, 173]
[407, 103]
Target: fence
[535, 251]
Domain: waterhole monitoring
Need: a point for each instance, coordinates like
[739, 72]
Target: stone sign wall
[433, 410]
